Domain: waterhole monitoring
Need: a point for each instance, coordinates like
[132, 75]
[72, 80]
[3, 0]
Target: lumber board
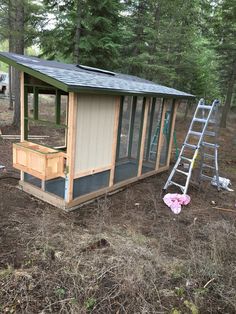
[115, 139]
[161, 135]
[175, 105]
[143, 137]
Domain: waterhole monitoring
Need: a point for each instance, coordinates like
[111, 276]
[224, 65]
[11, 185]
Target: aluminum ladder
[208, 115]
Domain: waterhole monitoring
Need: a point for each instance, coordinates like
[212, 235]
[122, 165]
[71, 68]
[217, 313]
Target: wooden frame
[68, 206]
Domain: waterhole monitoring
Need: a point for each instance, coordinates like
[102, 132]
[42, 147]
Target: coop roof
[78, 78]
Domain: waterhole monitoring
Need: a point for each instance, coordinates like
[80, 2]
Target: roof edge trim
[40, 76]
[107, 91]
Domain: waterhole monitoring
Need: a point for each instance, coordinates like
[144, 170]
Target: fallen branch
[212, 279]
[226, 209]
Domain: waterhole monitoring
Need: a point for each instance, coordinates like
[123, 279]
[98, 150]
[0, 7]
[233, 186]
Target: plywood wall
[94, 132]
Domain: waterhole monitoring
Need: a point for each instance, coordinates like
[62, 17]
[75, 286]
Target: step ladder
[206, 116]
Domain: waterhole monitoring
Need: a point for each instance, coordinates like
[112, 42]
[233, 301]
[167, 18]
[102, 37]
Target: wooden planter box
[39, 161]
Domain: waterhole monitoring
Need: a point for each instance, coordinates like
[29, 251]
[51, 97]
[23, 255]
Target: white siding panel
[94, 133]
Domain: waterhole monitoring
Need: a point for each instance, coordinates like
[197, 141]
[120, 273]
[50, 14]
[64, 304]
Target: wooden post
[144, 130]
[131, 125]
[22, 114]
[22, 107]
[149, 138]
[175, 105]
[71, 135]
[160, 139]
[115, 137]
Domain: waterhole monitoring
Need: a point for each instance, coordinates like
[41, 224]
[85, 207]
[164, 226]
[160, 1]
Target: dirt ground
[126, 253]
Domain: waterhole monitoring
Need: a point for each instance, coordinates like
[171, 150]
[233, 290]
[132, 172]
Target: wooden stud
[144, 130]
[58, 107]
[72, 119]
[131, 126]
[160, 139]
[36, 103]
[173, 119]
[115, 137]
[22, 110]
[150, 127]
[119, 127]
[22, 114]
[141, 128]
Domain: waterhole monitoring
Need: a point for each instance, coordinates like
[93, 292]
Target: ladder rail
[206, 118]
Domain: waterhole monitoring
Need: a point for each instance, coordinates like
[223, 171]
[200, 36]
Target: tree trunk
[77, 32]
[186, 109]
[18, 43]
[229, 96]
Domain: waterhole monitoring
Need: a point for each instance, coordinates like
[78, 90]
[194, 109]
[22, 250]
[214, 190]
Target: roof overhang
[84, 89]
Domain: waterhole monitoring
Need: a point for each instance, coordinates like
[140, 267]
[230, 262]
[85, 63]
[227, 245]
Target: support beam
[118, 105]
[70, 165]
[36, 103]
[131, 128]
[150, 127]
[144, 130]
[119, 127]
[22, 114]
[58, 107]
[160, 139]
[171, 133]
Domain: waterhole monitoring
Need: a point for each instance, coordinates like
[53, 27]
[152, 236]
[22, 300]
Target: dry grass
[127, 271]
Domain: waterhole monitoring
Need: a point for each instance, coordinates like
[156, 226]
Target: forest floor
[126, 253]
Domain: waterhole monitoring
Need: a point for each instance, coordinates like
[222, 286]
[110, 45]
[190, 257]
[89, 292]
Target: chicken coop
[100, 130]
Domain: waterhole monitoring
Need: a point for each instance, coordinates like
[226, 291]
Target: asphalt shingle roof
[75, 78]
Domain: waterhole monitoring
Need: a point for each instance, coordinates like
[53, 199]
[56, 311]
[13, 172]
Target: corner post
[22, 114]
[71, 136]
[118, 105]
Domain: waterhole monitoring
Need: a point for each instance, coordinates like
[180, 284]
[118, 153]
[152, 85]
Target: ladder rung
[179, 185]
[185, 158]
[195, 133]
[206, 144]
[183, 172]
[204, 107]
[209, 156]
[200, 120]
[210, 133]
[190, 145]
[208, 166]
[206, 177]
